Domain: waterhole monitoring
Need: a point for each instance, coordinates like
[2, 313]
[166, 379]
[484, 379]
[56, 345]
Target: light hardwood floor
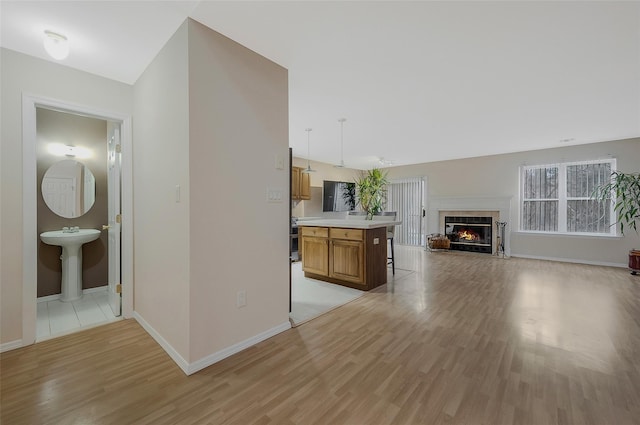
[467, 339]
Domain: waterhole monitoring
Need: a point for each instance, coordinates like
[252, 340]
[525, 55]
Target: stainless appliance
[293, 237]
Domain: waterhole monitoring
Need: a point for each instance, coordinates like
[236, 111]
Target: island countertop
[348, 224]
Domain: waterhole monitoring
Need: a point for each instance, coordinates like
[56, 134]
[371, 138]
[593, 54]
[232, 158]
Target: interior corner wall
[161, 198]
[23, 74]
[497, 176]
[238, 103]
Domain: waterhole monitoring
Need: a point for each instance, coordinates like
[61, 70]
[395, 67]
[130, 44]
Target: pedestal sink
[71, 243]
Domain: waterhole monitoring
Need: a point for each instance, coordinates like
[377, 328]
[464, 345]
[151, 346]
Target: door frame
[30, 196]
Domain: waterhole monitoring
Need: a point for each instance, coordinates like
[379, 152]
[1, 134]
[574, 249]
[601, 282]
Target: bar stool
[389, 216]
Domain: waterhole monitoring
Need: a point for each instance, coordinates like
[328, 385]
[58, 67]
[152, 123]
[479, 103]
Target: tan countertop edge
[348, 224]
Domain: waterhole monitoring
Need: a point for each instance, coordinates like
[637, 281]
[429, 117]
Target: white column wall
[238, 241]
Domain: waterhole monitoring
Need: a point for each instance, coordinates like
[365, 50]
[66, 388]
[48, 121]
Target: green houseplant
[625, 187]
[371, 187]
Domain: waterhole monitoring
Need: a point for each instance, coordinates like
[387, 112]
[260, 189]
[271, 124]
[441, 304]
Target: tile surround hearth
[498, 208]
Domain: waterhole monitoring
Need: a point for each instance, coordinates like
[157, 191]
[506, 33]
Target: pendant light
[308, 169]
[341, 121]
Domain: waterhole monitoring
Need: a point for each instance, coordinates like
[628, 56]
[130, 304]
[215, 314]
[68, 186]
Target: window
[557, 198]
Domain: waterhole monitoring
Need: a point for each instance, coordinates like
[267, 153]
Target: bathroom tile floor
[56, 318]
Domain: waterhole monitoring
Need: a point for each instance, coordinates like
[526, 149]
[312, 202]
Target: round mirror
[69, 188]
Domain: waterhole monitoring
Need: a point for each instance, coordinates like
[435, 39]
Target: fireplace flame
[469, 236]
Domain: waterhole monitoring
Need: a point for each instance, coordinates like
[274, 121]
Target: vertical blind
[405, 197]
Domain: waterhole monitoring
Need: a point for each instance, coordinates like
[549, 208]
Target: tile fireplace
[469, 233]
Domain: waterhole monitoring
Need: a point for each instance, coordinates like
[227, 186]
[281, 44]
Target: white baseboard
[571, 260]
[103, 288]
[55, 297]
[48, 298]
[175, 356]
[191, 368]
[11, 345]
[236, 348]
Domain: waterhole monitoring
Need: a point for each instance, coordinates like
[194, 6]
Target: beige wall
[324, 171]
[25, 74]
[161, 162]
[90, 133]
[238, 241]
[497, 176]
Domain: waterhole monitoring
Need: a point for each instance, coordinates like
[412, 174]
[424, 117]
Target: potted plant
[626, 189]
[371, 188]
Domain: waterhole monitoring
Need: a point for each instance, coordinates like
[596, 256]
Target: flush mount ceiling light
[308, 169]
[341, 165]
[385, 162]
[56, 45]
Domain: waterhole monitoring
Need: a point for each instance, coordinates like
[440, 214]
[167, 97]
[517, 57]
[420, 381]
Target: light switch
[241, 298]
[274, 194]
[376, 241]
[279, 162]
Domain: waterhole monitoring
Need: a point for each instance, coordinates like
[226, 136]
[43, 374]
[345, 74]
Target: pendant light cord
[308, 170]
[342, 120]
[308, 130]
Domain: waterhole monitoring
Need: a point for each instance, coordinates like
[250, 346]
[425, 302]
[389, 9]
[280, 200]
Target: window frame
[562, 199]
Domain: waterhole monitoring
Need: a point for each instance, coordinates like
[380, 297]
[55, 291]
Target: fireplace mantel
[502, 205]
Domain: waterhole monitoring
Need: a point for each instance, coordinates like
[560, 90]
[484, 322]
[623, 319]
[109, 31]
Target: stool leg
[393, 259]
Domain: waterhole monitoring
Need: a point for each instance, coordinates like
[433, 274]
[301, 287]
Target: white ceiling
[416, 81]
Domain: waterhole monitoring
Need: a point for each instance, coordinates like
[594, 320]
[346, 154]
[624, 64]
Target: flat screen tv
[338, 196]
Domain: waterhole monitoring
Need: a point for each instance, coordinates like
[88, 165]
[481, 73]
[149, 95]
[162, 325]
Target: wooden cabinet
[315, 250]
[346, 260]
[346, 254]
[296, 172]
[349, 257]
[305, 186]
[300, 184]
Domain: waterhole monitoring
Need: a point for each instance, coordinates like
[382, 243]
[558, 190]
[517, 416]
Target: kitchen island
[351, 253]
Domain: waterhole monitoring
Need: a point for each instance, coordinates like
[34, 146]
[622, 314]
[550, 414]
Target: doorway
[117, 230]
[407, 197]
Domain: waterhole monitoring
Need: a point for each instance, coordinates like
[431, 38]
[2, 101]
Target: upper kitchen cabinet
[305, 186]
[300, 184]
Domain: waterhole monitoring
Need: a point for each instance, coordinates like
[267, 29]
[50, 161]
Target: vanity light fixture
[308, 169]
[341, 121]
[56, 45]
[70, 151]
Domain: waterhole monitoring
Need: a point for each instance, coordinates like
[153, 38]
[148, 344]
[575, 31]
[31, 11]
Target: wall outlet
[376, 241]
[241, 298]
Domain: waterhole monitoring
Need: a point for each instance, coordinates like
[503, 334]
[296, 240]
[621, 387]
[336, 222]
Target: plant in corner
[371, 187]
[625, 187]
